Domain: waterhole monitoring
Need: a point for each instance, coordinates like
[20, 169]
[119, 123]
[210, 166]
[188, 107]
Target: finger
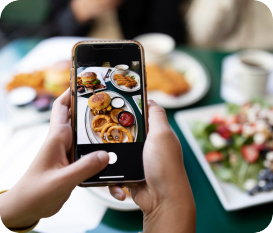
[157, 117]
[86, 167]
[117, 192]
[60, 112]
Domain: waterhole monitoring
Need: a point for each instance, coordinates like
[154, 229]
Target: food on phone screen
[57, 78]
[117, 102]
[166, 80]
[126, 119]
[120, 128]
[99, 103]
[90, 80]
[99, 122]
[81, 89]
[114, 113]
[127, 81]
[111, 138]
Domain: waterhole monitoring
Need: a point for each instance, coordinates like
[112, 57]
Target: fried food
[131, 84]
[127, 81]
[122, 82]
[34, 80]
[166, 80]
[99, 121]
[127, 192]
[79, 81]
[105, 128]
[114, 113]
[121, 128]
[117, 76]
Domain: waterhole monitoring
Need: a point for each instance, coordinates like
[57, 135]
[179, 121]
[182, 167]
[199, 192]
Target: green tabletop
[211, 216]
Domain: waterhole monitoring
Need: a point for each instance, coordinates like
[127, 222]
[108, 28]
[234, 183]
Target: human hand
[85, 10]
[49, 181]
[166, 195]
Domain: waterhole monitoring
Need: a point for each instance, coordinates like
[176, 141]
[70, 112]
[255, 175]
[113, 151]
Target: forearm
[171, 218]
[12, 215]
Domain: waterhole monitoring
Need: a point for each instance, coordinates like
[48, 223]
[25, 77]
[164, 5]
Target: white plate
[122, 87]
[94, 137]
[195, 74]
[98, 76]
[102, 195]
[230, 196]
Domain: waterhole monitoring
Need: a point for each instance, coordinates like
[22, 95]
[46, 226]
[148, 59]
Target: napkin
[79, 214]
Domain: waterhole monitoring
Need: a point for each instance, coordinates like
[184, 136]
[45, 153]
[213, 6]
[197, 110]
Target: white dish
[98, 76]
[135, 98]
[230, 196]
[121, 69]
[122, 87]
[94, 137]
[196, 75]
[102, 195]
[21, 96]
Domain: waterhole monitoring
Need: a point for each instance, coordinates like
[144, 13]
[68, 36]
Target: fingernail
[151, 102]
[118, 196]
[103, 157]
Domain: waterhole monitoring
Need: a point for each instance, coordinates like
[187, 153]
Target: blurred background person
[230, 25]
[111, 19]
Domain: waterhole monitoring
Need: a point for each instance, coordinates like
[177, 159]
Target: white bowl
[121, 69]
[157, 46]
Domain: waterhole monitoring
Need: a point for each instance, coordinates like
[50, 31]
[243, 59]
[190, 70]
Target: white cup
[121, 69]
[253, 71]
[157, 47]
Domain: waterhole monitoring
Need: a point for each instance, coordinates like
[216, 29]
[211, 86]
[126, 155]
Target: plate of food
[87, 81]
[124, 79]
[109, 118]
[234, 146]
[180, 82]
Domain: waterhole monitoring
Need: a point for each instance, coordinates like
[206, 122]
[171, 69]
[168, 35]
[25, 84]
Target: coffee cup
[254, 68]
[157, 47]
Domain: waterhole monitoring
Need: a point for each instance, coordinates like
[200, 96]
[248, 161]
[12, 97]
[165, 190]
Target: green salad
[239, 146]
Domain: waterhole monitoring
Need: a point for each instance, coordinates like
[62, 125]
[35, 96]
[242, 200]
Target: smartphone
[109, 108]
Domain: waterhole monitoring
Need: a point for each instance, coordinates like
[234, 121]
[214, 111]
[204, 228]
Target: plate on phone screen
[132, 75]
[95, 137]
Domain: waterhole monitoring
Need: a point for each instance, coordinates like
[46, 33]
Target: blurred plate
[196, 75]
[122, 87]
[93, 136]
[102, 195]
[231, 197]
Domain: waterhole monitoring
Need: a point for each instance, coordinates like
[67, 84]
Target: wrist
[171, 217]
[12, 215]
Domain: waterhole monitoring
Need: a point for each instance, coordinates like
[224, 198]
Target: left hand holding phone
[50, 179]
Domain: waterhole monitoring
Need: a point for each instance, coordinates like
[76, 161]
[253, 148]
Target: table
[211, 216]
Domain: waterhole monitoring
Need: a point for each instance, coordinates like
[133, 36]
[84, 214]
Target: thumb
[158, 119]
[86, 167]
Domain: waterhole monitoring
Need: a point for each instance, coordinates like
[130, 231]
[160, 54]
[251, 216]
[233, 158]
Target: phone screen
[110, 108]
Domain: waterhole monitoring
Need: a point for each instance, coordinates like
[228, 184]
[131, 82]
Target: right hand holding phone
[166, 194]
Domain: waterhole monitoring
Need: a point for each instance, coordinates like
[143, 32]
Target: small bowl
[81, 91]
[129, 113]
[157, 47]
[117, 106]
[121, 69]
[22, 96]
